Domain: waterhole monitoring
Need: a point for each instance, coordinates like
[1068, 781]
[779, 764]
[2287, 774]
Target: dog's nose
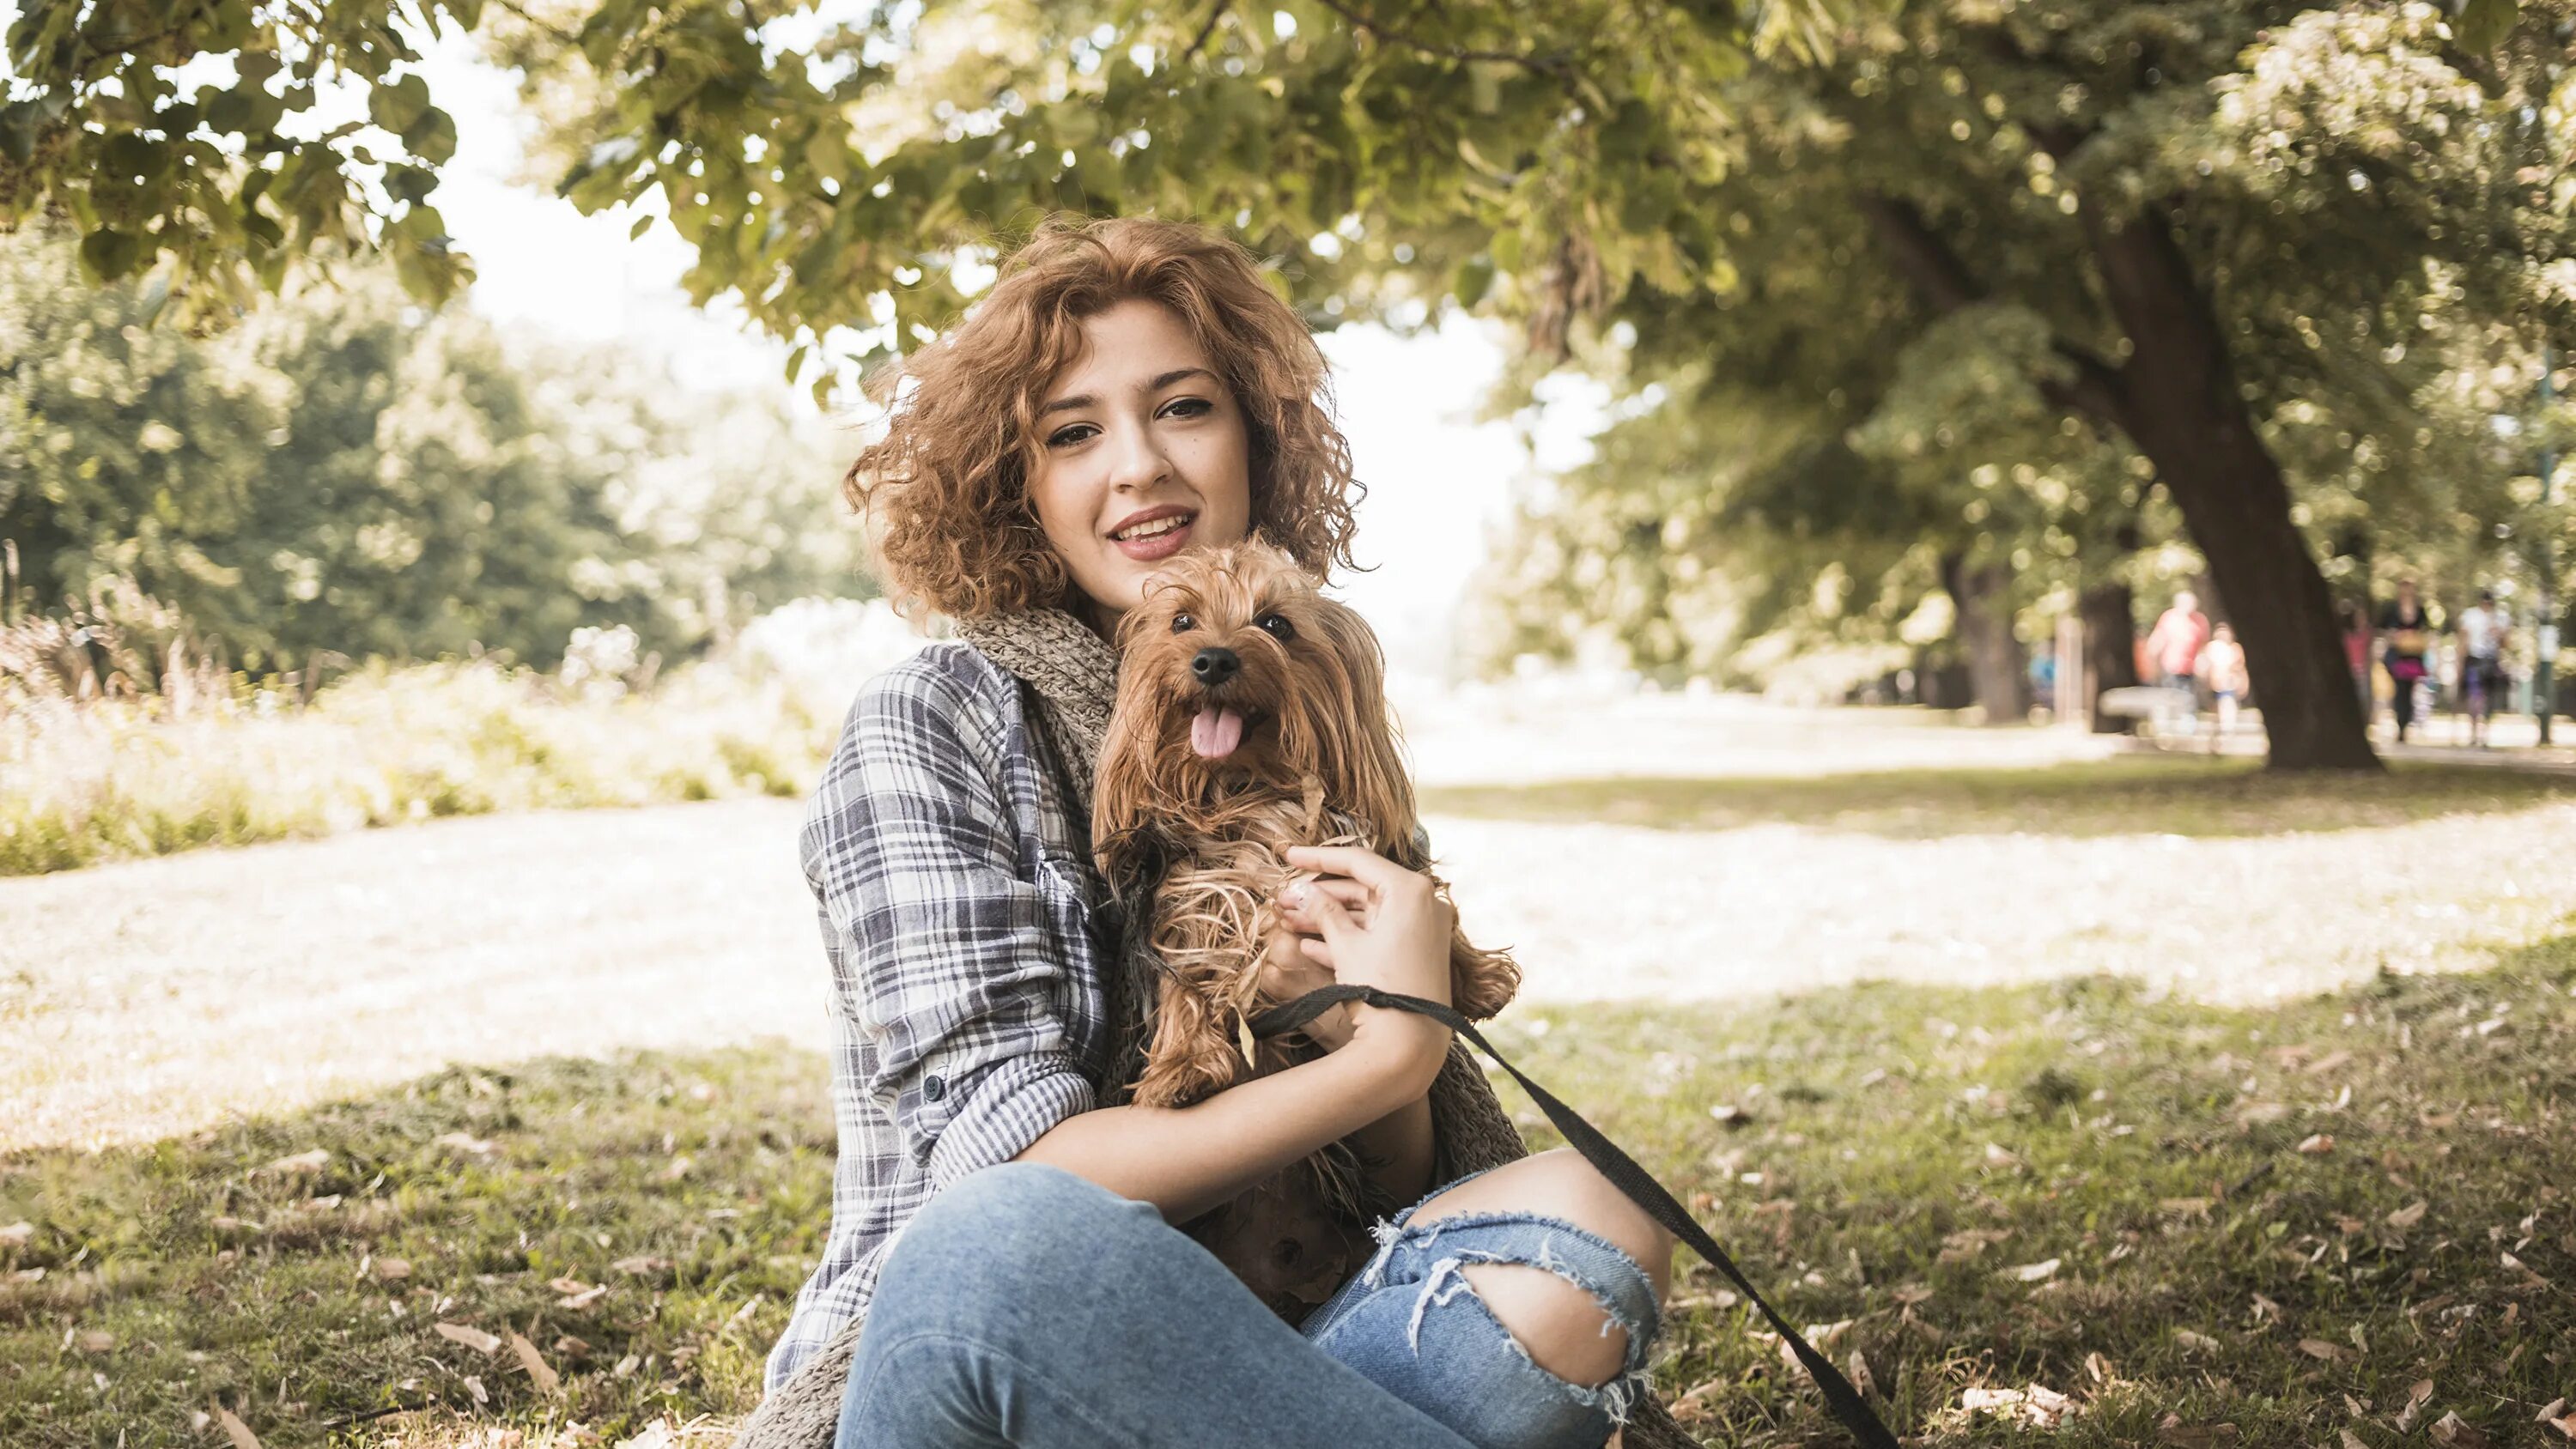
[1215, 666]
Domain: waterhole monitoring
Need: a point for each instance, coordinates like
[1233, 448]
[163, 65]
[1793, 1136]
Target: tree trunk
[2179, 403]
[2110, 651]
[1998, 668]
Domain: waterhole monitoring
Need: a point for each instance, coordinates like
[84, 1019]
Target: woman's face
[1138, 436]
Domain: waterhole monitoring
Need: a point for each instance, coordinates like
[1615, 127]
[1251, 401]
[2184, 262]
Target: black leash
[1624, 1174]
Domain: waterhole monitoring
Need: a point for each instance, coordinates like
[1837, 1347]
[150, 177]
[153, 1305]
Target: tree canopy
[2206, 234]
[349, 471]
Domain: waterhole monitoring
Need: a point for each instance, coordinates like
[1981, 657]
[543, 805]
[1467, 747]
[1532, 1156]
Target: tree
[346, 471]
[2176, 212]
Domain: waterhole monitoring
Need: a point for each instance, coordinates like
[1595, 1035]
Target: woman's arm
[1186, 1160]
[1393, 934]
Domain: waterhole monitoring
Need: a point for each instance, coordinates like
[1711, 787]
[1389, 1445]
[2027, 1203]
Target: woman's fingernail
[1294, 895]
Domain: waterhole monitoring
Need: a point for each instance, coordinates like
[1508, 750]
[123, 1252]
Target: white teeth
[1148, 530]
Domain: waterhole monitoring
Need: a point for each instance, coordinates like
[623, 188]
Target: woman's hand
[1287, 973]
[1377, 924]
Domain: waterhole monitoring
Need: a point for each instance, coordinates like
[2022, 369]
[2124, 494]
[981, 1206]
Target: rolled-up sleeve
[946, 961]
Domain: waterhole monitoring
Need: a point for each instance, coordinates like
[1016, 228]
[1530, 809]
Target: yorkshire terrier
[1251, 716]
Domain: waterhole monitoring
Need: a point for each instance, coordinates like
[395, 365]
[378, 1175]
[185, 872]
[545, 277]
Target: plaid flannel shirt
[967, 931]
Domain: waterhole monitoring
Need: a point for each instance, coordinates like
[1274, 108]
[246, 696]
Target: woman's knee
[1561, 1184]
[1557, 1316]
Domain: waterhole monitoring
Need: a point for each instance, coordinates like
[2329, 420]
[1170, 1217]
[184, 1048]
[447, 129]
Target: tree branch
[1942, 280]
[1558, 66]
[1216, 13]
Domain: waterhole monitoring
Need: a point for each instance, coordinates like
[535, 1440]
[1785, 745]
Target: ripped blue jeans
[1025, 1306]
[1410, 1321]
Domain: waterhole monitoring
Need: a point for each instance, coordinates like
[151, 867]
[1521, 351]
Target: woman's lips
[1157, 546]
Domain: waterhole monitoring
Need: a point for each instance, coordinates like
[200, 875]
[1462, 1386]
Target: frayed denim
[1412, 1323]
[1027, 1306]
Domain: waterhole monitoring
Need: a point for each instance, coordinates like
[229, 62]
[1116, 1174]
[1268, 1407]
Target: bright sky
[1439, 482]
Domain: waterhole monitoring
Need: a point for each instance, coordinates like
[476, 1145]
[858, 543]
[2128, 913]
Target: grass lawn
[2149, 794]
[2337, 1222]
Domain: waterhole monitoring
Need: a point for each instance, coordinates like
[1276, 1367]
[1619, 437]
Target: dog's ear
[1366, 755]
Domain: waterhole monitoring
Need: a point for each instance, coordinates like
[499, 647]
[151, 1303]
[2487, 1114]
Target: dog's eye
[1277, 626]
[1183, 623]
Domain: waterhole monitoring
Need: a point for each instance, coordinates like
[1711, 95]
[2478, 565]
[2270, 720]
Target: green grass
[2132, 795]
[1892, 1151]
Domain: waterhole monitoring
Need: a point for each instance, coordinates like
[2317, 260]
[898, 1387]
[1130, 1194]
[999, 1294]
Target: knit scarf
[1071, 673]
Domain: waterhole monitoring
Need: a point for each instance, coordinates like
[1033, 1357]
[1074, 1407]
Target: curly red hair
[945, 488]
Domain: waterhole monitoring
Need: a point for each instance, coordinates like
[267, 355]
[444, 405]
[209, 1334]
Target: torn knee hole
[1551, 1318]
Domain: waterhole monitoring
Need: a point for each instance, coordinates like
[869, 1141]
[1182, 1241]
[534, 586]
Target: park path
[158, 996]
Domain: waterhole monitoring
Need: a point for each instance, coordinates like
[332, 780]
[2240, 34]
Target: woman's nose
[1138, 460]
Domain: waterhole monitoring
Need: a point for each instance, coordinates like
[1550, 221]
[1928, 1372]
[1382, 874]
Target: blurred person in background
[2481, 629]
[2222, 667]
[2356, 652]
[2406, 632]
[2175, 643]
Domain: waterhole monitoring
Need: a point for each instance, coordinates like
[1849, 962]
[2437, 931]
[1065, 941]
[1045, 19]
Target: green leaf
[1474, 278]
[111, 254]
[432, 138]
[397, 105]
[642, 225]
[2484, 24]
[795, 360]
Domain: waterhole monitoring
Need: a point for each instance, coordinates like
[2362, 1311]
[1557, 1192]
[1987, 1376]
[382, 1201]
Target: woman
[1129, 389]
[2408, 632]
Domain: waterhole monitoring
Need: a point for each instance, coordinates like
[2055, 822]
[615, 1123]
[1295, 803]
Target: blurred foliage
[346, 471]
[1912, 353]
[99, 766]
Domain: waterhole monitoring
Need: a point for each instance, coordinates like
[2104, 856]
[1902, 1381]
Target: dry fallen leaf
[313, 1161]
[2328, 1063]
[235, 1429]
[1856, 1369]
[97, 1340]
[538, 1372]
[583, 1299]
[2200, 1342]
[2352, 1440]
[17, 1234]
[2409, 1215]
[2212, 1436]
[2317, 1145]
[2457, 1432]
[641, 1264]
[465, 1142]
[2038, 1272]
[473, 1338]
[475, 1387]
[656, 1435]
[2187, 1207]
[392, 1270]
[2319, 1348]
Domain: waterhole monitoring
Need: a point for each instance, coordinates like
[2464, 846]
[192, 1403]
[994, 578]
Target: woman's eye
[1277, 626]
[1067, 437]
[1183, 623]
[1195, 406]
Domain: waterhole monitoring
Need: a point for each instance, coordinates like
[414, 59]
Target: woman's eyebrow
[1068, 404]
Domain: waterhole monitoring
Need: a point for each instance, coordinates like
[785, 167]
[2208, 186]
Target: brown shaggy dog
[1252, 716]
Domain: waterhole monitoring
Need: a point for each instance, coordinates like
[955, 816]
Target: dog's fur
[1318, 763]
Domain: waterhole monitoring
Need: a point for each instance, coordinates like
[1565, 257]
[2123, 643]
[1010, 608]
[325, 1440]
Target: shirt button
[932, 1089]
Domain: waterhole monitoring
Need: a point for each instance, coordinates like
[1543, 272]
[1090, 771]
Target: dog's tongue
[1216, 732]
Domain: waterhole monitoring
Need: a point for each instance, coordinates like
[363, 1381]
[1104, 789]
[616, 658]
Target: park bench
[2162, 709]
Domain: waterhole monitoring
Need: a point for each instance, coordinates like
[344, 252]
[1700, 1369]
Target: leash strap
[1624, 1174]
